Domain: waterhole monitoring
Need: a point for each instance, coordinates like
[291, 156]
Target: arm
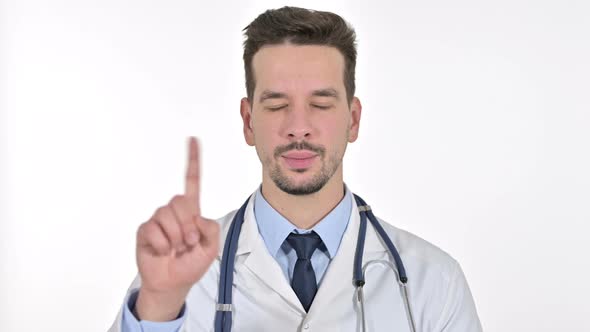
[174, 249]
[459, 313]
[130, 323]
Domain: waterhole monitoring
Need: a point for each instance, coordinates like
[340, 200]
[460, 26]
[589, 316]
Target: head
[300, 111]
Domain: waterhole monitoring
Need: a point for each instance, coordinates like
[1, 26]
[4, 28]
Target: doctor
[295, 251]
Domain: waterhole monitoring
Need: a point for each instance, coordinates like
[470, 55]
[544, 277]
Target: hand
[175, 249]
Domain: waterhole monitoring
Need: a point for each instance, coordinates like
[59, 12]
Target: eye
[321, 107]
[276, 108]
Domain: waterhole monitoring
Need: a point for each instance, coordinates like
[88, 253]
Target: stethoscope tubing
[223, 315]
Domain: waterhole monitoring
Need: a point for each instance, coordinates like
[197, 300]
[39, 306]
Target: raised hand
[175, 248]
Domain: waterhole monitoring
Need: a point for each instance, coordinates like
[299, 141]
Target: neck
[307, 210]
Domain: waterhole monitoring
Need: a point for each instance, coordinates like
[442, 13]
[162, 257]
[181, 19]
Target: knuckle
[151, 230]
[178, 205]
[169, 224]
[159, 245]
[144, 228]
[140, 232]
[163, 215]
[177, 199]
[181, 212]
[156, 238]
[160, 213]
[189, 227]
[141, 227]
[147, 233]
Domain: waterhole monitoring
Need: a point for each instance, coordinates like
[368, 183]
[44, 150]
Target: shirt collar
[274, 228]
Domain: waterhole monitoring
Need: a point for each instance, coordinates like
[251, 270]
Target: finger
[210, 236]
[193, 177]
[166, 219]
[151, 235]
[182, 210]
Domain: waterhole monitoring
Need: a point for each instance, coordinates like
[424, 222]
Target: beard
[313, 185]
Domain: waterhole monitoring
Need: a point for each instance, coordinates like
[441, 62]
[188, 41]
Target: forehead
[298, 68]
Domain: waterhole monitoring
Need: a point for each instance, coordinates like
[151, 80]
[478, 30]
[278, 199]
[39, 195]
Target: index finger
[193, 176]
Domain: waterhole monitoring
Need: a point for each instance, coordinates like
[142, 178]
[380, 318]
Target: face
[299, 119]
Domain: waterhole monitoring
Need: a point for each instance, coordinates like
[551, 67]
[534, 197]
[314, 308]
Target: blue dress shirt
[274, 229]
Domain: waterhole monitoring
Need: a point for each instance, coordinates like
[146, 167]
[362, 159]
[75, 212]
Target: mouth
[299, 159]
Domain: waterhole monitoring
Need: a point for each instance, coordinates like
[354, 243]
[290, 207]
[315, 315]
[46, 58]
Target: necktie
[304, 283]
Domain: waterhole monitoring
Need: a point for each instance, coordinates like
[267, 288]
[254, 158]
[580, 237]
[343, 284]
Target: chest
[267, 302]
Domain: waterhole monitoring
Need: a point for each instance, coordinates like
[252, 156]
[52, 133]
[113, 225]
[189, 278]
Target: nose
[298, 124]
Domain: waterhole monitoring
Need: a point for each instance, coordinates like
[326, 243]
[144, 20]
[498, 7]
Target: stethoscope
[223, 317]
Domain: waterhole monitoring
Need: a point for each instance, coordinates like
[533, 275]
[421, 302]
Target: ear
[246, 113]
[355, 119]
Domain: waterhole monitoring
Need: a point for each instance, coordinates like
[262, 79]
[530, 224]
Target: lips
[299, 154]
[299, 159]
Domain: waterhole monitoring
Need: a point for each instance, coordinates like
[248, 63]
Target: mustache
[303, 145]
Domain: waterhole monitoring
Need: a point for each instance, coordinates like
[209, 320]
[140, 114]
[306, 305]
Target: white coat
[264, 301]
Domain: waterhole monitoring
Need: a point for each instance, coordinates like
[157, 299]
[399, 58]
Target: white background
[474, 135]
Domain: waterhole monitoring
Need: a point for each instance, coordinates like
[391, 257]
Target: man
[295, 252]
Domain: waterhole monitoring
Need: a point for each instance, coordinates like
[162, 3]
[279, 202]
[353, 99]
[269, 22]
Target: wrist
[158, 306]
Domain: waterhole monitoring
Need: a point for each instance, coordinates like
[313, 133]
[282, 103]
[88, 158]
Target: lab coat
[263, 300]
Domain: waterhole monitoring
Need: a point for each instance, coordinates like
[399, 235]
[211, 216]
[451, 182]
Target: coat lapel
[338, 276]
[260, 262]
[338, 279]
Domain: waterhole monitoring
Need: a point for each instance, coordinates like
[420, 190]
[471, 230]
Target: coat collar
[250, 232]
[274, 228]
[260, 262]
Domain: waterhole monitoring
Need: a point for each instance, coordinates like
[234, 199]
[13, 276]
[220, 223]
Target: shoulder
[439, 287]
[225, 221]
[420, 252]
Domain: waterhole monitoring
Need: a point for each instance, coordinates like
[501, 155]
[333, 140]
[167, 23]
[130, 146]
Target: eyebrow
[267, 94]
[326, 93]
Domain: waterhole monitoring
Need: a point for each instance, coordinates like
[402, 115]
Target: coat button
[306, 326]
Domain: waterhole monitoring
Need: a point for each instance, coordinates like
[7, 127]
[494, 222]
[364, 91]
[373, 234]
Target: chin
[300, 185]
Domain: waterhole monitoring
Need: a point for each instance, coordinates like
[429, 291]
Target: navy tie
[304, 283]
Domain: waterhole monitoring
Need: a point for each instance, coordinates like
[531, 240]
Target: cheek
[338, 133]
[336, 129]
[264, 140]
[260, 130]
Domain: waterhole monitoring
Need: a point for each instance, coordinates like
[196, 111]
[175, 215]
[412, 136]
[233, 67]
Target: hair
[300, 26]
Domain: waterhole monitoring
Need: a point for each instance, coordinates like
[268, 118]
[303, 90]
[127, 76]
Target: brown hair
[300, 26]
